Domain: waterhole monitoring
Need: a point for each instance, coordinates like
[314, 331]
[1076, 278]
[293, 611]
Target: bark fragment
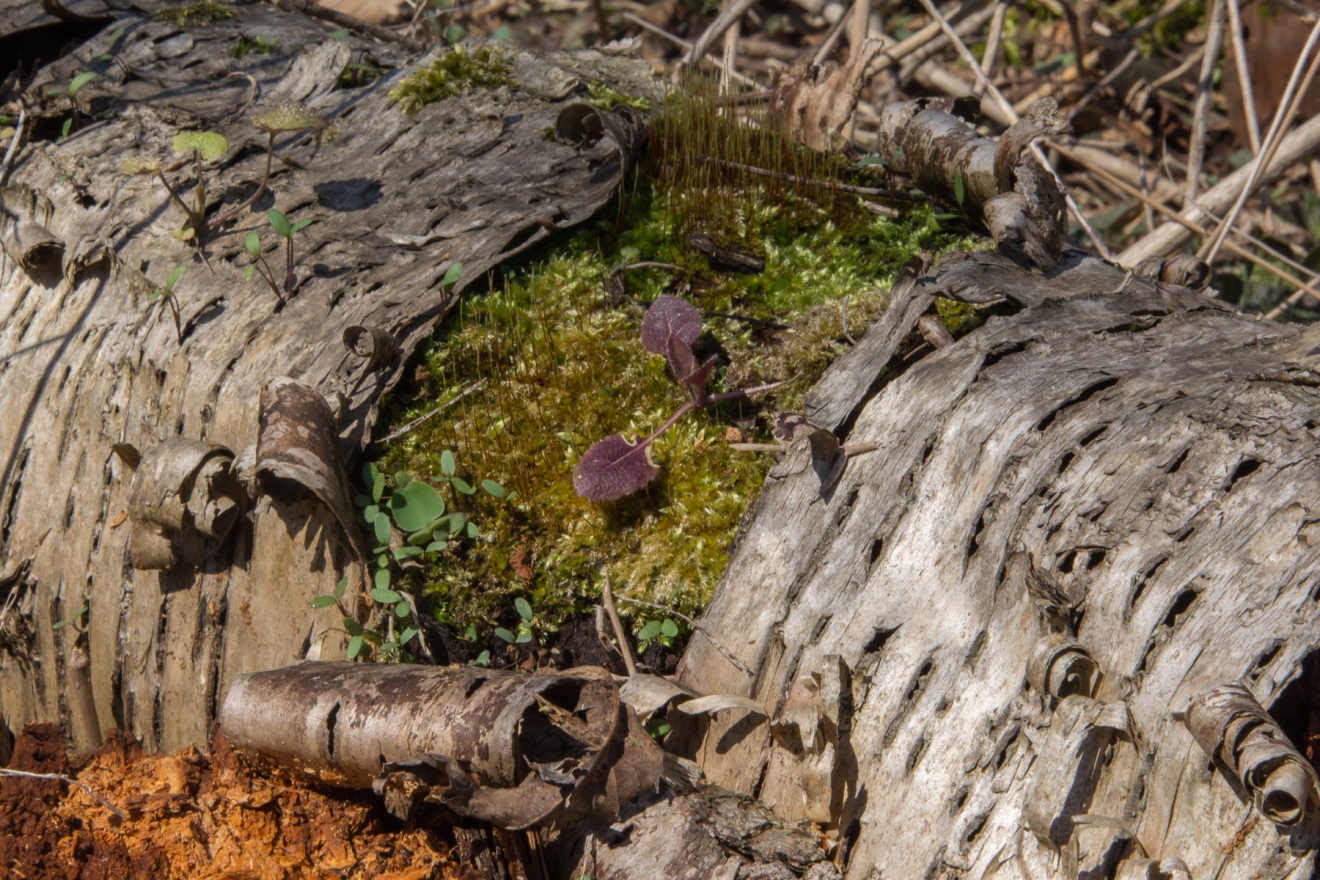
[1232, 728]
[514, 750]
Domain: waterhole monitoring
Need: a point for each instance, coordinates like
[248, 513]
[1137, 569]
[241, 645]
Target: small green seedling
[259, 265]
[71, 91]
[287, 231]
[76, 621]
[407, 529]
[657, 632]
[172, 300]
[207, 146]
[527, 625]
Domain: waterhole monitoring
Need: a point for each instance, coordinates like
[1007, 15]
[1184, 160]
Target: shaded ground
[194, 815]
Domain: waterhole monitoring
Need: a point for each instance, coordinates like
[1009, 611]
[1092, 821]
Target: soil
[213, 815]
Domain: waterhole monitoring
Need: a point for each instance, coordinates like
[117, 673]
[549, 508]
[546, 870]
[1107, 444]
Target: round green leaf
[407, 635]
[382, 578]
[355, 646]
[524, 609]
[340, 586]
[650, 631]
[461, 485]
[208, 144]
[323, 601]
[253, 243]
[523, 638]
[401, 479]
[288, 117]
[447, 463]
[353, 627]
[493, 488]
[504, 635]
[385, 596]
[403, 610]
[416, 506]
[473, 531]
[408, 552]
[669, 629]
[436, 546]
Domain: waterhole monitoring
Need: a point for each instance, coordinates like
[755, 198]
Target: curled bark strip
[1185, 270]
[1019, 201]
[582, 125]
[34, 247]
[514, 750]
[1233, 728]
[298, 442]
[1060, 667]
[23, 233]
[1071, 763]
[651, 694]
[183, 502]
[376, 347]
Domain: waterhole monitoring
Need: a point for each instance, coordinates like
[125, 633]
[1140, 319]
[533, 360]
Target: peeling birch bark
[88, 363]
[1121, 461]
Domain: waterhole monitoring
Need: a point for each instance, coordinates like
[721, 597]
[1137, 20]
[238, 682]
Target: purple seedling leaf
[670, 317]
[613, 468]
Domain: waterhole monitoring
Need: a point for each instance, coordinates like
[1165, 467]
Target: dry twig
[1244, 75]
[56, 777]
[1004, 105]
[1204, 91]
[1292, 99]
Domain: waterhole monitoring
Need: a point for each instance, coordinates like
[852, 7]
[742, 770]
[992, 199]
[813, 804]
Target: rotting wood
[1155, 453]
[88, 363]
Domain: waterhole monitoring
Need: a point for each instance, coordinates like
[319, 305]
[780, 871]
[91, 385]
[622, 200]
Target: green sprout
[208, 146]
[171, 299]
[287, 231]
[407, 529]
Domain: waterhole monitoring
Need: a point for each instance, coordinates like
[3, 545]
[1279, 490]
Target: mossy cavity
[550, 361]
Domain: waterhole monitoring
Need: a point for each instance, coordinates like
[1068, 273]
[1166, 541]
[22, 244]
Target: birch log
[1134, 460]
[89, 362]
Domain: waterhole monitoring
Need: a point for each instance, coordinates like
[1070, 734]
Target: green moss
[606, 98]
[245, 46]
[551, 361]
[451, 74]
[196, 14]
